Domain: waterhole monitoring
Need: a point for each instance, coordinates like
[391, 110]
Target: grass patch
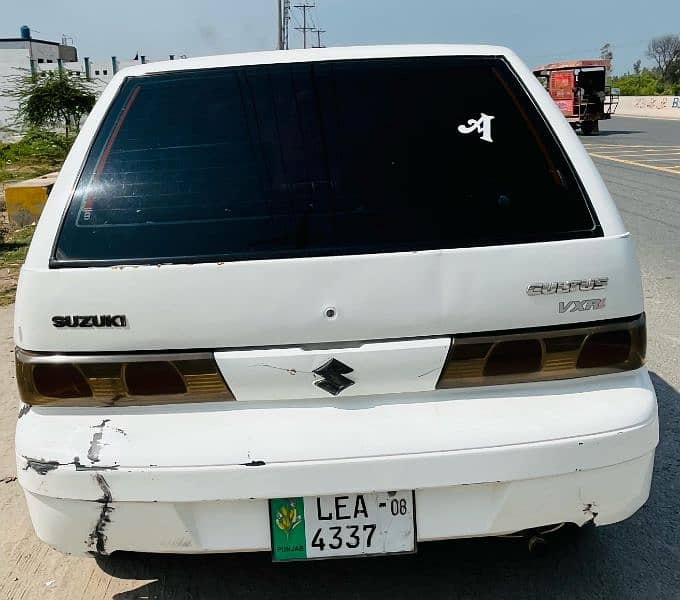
[37, 153]
[15, 246]
[12, 255]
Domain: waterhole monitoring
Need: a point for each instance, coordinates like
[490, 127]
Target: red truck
[579, 88]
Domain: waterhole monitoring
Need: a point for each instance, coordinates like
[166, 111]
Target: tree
[665, 51]
[637, 66]
[607, 54]
[674, 74]
[52, 99]
[647, 83]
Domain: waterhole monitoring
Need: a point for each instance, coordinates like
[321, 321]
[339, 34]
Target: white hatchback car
[326, 303]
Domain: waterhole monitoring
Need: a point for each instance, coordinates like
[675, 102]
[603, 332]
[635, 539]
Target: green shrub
[52, 99]
[646, 83]
[37, 143]
[38, 152]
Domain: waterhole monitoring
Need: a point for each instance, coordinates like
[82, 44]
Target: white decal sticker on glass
[481, 126]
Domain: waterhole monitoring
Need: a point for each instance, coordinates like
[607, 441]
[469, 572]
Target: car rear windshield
[320, 159]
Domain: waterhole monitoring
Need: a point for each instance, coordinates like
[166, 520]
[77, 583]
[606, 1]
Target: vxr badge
[333, 378]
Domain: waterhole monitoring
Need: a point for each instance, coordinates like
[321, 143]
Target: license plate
[343, 525]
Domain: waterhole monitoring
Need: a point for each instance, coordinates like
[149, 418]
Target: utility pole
[286, 22]
[279, 25]
[318, 37]
[304, 27]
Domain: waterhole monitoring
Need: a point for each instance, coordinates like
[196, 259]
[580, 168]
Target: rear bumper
[197, 478]
[600, 496]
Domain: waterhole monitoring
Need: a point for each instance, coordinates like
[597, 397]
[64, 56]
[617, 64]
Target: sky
[539, 32]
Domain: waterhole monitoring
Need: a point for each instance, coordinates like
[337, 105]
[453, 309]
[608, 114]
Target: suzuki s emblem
[333, 378]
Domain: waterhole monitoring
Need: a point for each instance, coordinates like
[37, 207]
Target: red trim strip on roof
[101, 163]
[574, 64]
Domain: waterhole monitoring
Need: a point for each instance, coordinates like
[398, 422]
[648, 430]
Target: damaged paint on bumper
[196, 478]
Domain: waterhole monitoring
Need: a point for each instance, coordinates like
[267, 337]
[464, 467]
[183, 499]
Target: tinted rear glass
[322, 158]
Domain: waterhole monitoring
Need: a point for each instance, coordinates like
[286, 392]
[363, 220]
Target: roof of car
[315, 54]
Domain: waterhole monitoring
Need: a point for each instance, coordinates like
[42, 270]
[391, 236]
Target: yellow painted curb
[25, 199]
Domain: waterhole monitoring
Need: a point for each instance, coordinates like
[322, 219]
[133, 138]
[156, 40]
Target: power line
[304, 27]
[296, 20]
[308, 24]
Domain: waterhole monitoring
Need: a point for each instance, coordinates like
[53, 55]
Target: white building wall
[44, 52]
[102, 69]
[15, 59]
[12, 61]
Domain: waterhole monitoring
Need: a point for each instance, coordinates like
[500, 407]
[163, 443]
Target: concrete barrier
[662, 107]
[25, 200]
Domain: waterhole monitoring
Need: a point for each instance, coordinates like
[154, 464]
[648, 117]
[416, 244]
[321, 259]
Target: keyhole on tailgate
[331, 312]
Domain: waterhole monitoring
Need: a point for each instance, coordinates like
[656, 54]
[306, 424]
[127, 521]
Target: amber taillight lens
[119, 380]
[512, 357]
[60, 381]
[602, 349]
[545, 354]
[147, 379]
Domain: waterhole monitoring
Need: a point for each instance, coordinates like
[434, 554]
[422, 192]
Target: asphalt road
[639, 558]
[629, 131]
[649, 202]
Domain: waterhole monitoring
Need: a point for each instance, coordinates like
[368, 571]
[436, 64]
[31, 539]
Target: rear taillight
[545, 354]
[489, 359]
[119, 380]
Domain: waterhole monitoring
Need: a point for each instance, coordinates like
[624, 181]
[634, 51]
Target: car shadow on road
[604, 133]
[638, 558]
